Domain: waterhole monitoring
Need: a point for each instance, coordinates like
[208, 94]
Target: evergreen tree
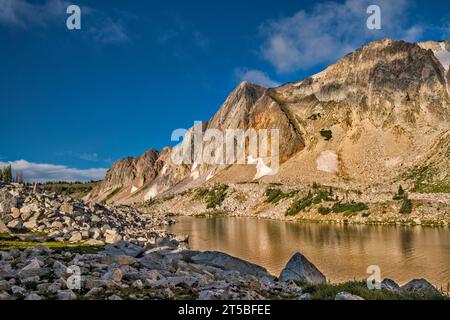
[7, 174]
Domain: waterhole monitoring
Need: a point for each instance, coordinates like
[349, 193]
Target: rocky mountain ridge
[367, 120]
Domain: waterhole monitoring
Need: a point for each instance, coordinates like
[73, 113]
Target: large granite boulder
[420, 286]
[7, 202]
[301, 269]
[226, 262]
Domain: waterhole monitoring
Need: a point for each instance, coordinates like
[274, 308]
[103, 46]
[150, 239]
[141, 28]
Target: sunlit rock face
[377, 113]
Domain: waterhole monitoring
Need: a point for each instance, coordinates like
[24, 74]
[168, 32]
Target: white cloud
[42, 172]
[24, 14]
[329, 31]
[257, 77]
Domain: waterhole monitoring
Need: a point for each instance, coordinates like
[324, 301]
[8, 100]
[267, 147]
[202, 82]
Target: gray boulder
[7, 202]
[226, 262]
[123, 248]
[347, 296]
[420, 286]
[301, 269]
[390, 285]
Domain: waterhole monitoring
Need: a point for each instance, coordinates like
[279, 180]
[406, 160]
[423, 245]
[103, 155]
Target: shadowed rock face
[301, 269]
[385, 108]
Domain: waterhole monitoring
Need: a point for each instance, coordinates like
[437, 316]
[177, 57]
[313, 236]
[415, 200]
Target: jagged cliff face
[366, 120]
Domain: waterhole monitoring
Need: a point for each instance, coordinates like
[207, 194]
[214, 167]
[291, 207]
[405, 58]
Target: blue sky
[73, 102]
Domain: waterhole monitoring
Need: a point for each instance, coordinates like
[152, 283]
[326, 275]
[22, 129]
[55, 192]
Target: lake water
[341, 252]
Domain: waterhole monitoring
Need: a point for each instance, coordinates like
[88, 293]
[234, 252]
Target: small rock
[15, 224]
[182, 238]
[66, 295]
[390, 285]
[94, 292]
[305, 296]
[4, 285]
[67, 208]
[4, 296]
[33, 297]
[211, 294]
[138, 284]
[115, 297]
[114, 275]
[15, 213]
[76, 237]
[31, 270]
[124, 260]
[347, 296]
[60, 269]
[3, 228]
[30, 225]
[16, 290]
[112, 238]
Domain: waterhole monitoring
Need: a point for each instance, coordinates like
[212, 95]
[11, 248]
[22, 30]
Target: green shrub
[407, 206]
[349, 207]
[400, 194]
[315, 116]
[307, 201]
[327, 134]
[214, 196]
[324, 210]
[275, 195]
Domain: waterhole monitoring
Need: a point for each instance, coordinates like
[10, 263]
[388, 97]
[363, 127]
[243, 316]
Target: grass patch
[73, 189]
[424, 182]
[351, 207]
[359, 288]
[275, 195]
[5, 236]
[326, 134]
[214, 196]
[81, 248]
[112, 194]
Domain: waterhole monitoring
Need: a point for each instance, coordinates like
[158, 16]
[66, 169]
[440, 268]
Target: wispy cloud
[108, 31]
[100, 28]
[330, 30]
[257, 77]
[42, 172]
[93, 157]
[21, 13]
[85, 156]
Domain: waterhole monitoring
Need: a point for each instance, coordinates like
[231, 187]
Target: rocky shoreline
[165, 270]
[54, 247]
[254, 200]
